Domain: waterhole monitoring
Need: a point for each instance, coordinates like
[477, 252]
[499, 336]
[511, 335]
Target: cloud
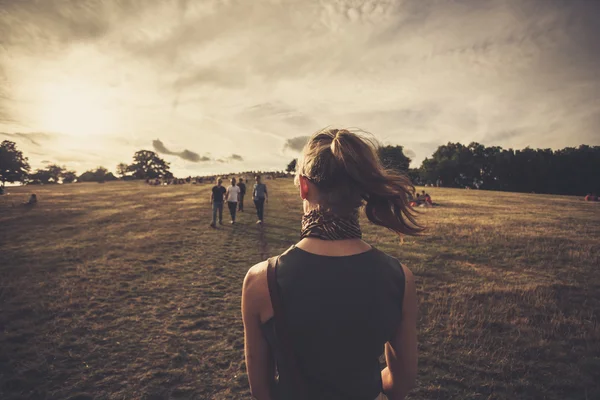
[414, 73]
[32, 138]
[296, 143]
[410, 153]
[187, 155]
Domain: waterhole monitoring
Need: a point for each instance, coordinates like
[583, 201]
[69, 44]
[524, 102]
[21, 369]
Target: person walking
[323, 312]
[242, 186]
[216, 200]
[260, 197]
[232, 195]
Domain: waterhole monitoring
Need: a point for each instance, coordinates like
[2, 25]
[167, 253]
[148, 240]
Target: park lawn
[122, 291]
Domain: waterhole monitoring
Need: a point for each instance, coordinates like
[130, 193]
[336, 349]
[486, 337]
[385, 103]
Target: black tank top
[340, 312]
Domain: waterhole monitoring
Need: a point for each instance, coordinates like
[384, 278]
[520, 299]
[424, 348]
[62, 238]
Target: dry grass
[121, 291]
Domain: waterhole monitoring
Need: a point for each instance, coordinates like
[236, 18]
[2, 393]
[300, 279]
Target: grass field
[122, 291]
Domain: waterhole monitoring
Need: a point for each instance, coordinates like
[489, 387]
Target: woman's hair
[348, 173]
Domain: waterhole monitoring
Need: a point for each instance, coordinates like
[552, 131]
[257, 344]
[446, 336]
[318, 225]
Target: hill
[122, 291]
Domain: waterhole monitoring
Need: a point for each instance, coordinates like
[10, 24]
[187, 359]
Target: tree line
[568, 171]
[14, 167]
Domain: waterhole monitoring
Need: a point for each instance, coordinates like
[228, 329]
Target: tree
[393, 157]
[68, 176]
[122, 169]
[54, 173]
[13, 166]
[40, 177]
[148, 165]
[100, 174]
[415, 176]
[292, 166]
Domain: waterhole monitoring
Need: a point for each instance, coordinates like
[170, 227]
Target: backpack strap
[281, 329]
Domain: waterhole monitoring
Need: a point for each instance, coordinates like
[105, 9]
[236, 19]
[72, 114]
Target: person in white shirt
[232, 195]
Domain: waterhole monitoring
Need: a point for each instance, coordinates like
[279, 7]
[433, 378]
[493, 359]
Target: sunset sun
[77, 111]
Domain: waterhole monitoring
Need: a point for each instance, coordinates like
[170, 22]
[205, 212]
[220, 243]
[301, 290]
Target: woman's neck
[336, 248]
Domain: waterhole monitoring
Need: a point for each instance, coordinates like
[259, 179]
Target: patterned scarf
[328, 226]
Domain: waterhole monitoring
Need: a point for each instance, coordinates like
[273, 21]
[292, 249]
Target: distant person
[233, 195]
[32, 200]
[242, 187]
[260, 196]
[323, 312]
[216, 200]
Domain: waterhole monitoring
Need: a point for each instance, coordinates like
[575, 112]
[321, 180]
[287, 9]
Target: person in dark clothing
[260, 197]
[242, 187]
[216, 200]
[344, 301]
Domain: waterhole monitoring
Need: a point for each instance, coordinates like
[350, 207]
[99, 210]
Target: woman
[232, 195]
[342, 301]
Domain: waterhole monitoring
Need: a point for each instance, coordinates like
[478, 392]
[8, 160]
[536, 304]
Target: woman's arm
[259, 359]
[401, 352]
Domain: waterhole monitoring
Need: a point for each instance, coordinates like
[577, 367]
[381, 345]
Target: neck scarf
[328, 226]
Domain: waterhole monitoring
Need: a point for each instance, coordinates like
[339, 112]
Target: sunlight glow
[76, 109]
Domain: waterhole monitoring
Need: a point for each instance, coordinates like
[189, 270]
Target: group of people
[234, 196]
[422, 199]
[591, 197]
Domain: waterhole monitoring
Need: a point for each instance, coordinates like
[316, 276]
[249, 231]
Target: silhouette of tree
[100, 174]
[566, 171]
[13, 166]
[393, 157]
[291, 167]
[54, 172]
[148, 165]
[122, 169]
[68, 176]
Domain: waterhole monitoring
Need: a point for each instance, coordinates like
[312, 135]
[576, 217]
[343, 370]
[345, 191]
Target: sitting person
[428, 199]
[420, 198]
[32, 200]
[591, 197]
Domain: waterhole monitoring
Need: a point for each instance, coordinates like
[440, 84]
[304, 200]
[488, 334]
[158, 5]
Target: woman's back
[340, 312]
[336, 303]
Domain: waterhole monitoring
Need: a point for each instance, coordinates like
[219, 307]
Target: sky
[230, 85]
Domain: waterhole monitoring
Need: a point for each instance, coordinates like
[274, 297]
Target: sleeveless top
[340, 312]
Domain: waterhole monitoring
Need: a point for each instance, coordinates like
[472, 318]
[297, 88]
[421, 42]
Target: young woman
[232, 195]
[342, 302]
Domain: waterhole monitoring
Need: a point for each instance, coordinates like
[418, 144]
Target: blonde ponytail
[347, 171]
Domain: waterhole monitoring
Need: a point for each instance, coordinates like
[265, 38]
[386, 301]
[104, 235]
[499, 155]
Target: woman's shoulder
[389, 262]
[254, 282]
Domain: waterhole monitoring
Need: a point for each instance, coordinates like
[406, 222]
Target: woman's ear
[304, 187]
